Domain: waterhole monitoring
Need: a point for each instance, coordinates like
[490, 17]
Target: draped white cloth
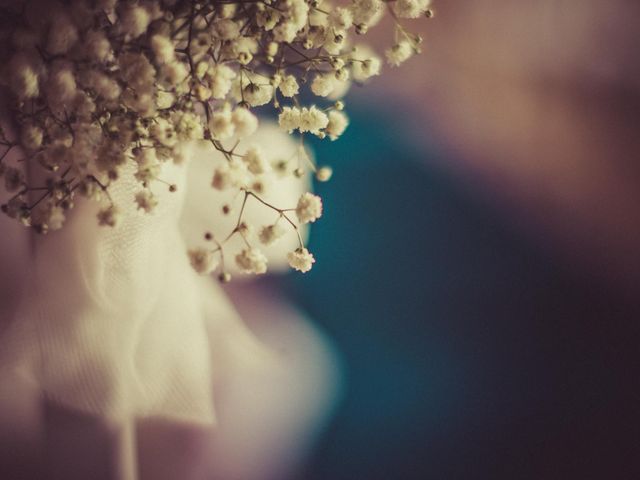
[115, 325]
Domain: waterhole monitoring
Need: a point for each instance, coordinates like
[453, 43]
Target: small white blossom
[324, 174]
[221, 178]
[109, 216]
[220, 78]
[270, 234]
[399, 53]
[56, 218]
[104, 86]
[202, 260]
[97, 46]
[323, 84]
[272, 49]
[61, 87]
[175, 72]
[341, 19]
[285, 32]
[134, 21]
[251, 260]
[164, 132]
[245, 122]
[411, 8]
[137, 71]
[289, 119]
[367, 12]
[31, 137]
[256, 161]
[202, 93]
[261, 184]
[301, 259]
[188, 126]
[309, 208]
[226, 29]
[366, 64]
[234, 173]
[163, 49]
[145, 157]
[221, 125]
[334, 42]
[338, 123]
[312, 120]
[146, 201]
[258, 95]
[298, 12]
[165, 100]
[289, 86]
[23, 77]
[267, 18]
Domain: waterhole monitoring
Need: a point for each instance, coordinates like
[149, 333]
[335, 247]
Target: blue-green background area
[468, 350]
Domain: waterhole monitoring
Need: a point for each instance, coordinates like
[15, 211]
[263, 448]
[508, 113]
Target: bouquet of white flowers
[103, 88]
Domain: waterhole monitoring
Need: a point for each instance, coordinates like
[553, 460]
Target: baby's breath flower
[134, 21]
[312, 120]
[23, 76]
[338, 123]
[366, 64]
[96, 46]
[251, 260]
[341, 19]
[309, 208]
[270, 234]
[256, 161]
[324, 174]
[109, 216]
[221, 178]
[31, 137]
[411, 8]
[164, 132]
[163, 49]
[323, 84]
[221, 125]
[145, 157]
[102, 85]
[399, 53]
[301, 259]
[56, 218]
[226, 29]
[231, 174]
[165, 100]
[202, 260]
[175, 72]
[367, 12]
[258, 95]
[245, 229]
[220, 78]
[146, 200]
[188, 126]
[289, 86]
[244, 122]
[289, 118]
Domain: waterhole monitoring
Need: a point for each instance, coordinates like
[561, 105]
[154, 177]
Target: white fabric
[118, 362]
[112, 321]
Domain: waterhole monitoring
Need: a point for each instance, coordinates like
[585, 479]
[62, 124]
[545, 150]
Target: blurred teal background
[469, 349]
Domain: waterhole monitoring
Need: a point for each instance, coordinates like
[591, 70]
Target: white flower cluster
[99, 85]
